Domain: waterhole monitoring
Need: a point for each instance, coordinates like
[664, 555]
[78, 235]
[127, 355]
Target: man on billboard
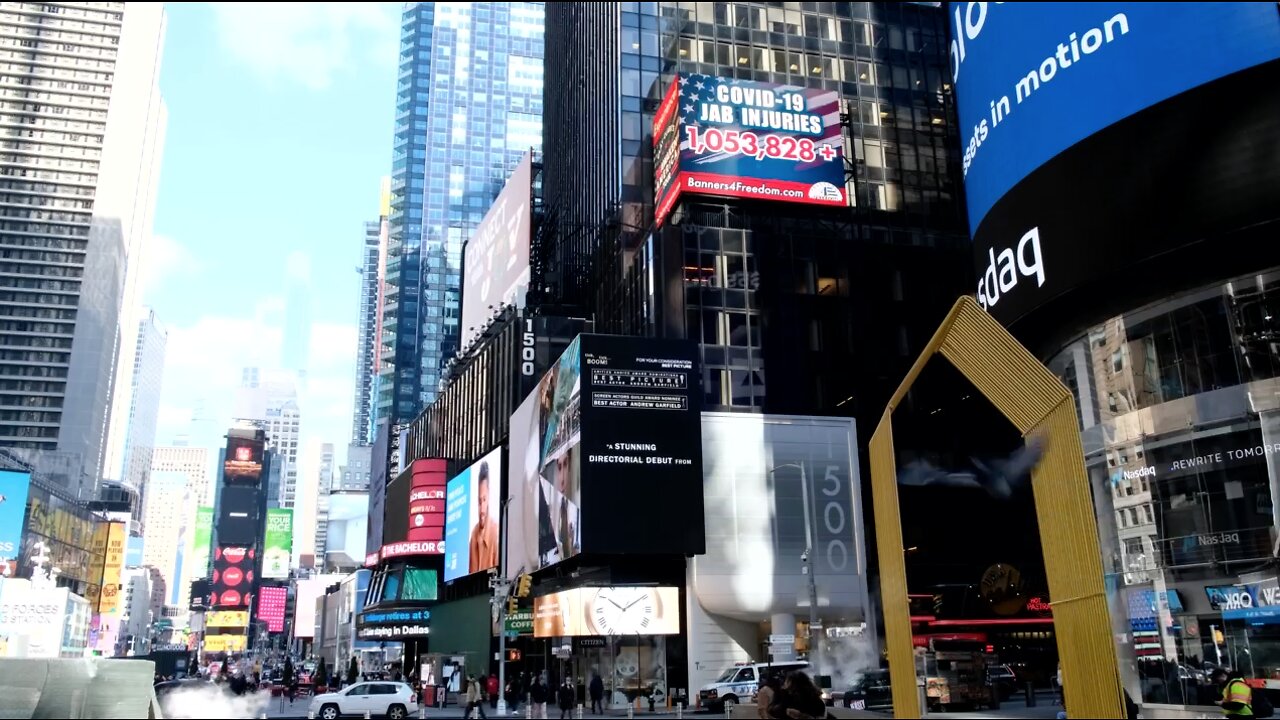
[484, 536]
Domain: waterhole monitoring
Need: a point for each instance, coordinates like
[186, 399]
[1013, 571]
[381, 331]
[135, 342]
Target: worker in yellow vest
[1237, 697]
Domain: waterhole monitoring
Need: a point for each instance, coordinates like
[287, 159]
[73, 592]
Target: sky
[279, 129]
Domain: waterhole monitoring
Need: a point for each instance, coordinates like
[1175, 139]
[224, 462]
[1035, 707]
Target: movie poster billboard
[13, 511]
[277, 554]
[745, 139]
[471, 532]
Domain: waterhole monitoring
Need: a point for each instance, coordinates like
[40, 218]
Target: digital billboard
[243, 463]
[471, 521]
[225, 643]
[612, 427]
[201, 543]
[236, 619]
[239, 518]
[13, 512]
[277, 548]
[348, 520]
[1033, 79]
[740, 138]
[606, 611]
[272, 600]
[113, 566]
[233, 577]
[495, 266]
[427, 505]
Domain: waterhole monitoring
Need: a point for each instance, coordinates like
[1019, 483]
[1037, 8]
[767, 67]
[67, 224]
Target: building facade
[324, 486]
[469, 107]
[144, 406]
[83, 121]
[366, 337]
[271, 404]
[165, 524]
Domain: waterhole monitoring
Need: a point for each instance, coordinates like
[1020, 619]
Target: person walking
[538, 697]
[766, 695]
[492, 688]
[800, 699]
[475, 697]
[597, 693]
[567, 697]
[1062, 698]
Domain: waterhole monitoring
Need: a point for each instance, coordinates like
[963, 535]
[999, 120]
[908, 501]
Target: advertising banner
[519, 623]
[233, 576]
[746, 139]
[225, 643]
[277, 553]
[227, 619]
[471, 523]
[426, 507]
[113, 566]
[393, 625]
[243, 464]
[1253, 602]
[495, 267]
[13, 511]
[606, 611]
[1033, 79]
[612, 425]
[272, 602]
[201, 542]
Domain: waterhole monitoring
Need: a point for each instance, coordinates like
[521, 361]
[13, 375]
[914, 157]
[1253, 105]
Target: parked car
[1003, 681]
[391, 699]
[869, 691]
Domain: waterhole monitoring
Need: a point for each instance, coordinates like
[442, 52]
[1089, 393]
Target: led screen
[606, 611]
[472, 527]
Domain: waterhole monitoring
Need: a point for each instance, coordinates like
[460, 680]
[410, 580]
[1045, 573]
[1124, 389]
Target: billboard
[471, 526]
[495, 266]
[272, 600]
[239, 518]
[427, 483]
[243, 464]
[13, 512]
[113, 566]
[233, 576]
[1033, 79]
[304, 603]
[607, 611]
[238, 619]
[611, 427]
[746, 139]
[225, 643]
[348, 520]
[277, 547]
[201, 543]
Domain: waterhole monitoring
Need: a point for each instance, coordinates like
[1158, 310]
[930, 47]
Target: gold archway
[1036, 402]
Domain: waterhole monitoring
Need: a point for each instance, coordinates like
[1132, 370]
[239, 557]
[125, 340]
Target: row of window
[21, 188]
[32, 356]
[53, 109]
[38, 298]
[54, 71]
[80, 48]
[27, 432]
[25, 371]
[27, 200]
[8, 211]
[73, 244]
[73, 62]
[67, 232]
[47, 149]
[91, 128]
[38, 313]
[96, 12]
[35, 341]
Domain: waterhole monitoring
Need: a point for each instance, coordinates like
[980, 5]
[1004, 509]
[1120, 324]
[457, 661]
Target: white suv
[392, 699]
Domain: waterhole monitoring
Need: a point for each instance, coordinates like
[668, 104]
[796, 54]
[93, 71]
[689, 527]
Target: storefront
[1180, 409]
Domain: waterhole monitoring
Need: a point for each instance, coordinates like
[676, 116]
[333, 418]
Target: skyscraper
[324, 486]
[83, 120]
[272, 405]
[469, 106]
[373, 257]
[144, 406]
[168, 492]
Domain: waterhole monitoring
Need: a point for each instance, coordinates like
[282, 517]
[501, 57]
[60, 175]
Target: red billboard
[272, 600]
[426, 507]
[233, 576]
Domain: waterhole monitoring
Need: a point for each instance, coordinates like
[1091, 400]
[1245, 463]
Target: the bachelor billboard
[495, 266]
[746, 139]
[612, 427]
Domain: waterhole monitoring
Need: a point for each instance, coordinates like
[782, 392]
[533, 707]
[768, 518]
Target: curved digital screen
[1033, 79]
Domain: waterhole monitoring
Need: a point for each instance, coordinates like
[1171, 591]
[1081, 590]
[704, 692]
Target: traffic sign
[782, 639]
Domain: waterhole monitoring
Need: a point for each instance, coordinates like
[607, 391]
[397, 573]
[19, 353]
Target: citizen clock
[623, 611]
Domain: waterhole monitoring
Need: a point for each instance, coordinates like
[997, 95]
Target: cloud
[204, 360]
[308, 43]
[164, 258]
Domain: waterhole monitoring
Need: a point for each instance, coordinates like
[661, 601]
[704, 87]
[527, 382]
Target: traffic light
[513, 606]
[523, 585]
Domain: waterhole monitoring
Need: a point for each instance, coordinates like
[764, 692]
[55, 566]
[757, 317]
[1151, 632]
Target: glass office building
[469, 106]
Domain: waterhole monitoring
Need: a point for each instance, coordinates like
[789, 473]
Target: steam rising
[213, 702]
[845, 658]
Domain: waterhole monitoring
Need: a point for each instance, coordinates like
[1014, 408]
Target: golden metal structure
[1038, 404]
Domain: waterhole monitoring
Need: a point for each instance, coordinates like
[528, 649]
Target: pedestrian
[766, 694]
[597, 693]
[567, 697]
[1237, 697]
[492, 688]
[800, 699]
[475, 697]
[1062, 698]
[538, 698]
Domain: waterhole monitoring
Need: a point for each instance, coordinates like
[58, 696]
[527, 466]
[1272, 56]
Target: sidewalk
[298, 709]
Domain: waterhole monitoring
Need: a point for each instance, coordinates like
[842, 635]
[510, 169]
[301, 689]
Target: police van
[738, 684]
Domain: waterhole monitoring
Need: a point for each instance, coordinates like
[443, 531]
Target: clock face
[623, 611]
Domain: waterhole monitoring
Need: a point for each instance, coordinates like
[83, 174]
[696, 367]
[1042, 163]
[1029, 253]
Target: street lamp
[815, 650]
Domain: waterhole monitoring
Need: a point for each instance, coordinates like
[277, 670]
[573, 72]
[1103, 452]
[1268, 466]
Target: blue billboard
[1257, 603]
[746, 139]
[1033, 79]
[472, 506]
[13, 512]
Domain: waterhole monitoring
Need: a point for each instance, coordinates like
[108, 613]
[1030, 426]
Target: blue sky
[279, 129]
